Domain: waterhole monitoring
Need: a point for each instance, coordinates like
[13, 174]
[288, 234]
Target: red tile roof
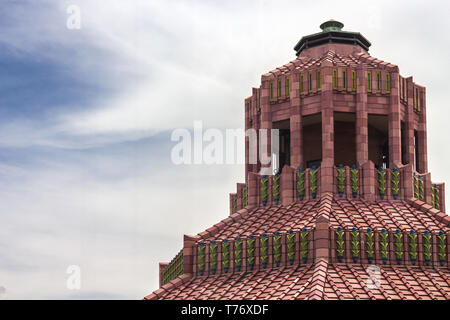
[321, 280]
[322, 275]
[346, 213]
[336, 59]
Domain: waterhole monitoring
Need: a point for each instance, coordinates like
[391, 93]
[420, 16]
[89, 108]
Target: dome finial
[331, 25]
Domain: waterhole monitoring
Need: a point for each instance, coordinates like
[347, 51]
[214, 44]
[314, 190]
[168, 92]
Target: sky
[86, 117]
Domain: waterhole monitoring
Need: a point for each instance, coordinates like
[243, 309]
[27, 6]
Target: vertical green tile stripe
[398, 245]
[235, 204]
[245, 196]
[340, 244]
[301, 183]
[225, 255]
[201, 258]
[276, 188]
[213, 256]
[304, 244]
[355, 244]
[435, 196]
[384, 245]
[442, 245]
[395, 181]
[264, 191]
[412, 246]
[291, 246]
[264, 250]
[426, 239]
[340, 177]
[354, 173]
[174, 269]
[382, 182]
[369, 245]
[416, 186]
[313, 173]
[251, 252]
[432, 196]
[421, 188]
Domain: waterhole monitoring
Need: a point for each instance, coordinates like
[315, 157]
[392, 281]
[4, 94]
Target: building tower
[351, 201]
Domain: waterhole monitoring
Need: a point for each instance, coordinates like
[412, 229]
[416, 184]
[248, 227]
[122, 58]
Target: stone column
[188, 252]
[409, 125]
[322, 239]
[362, 131]
[368, 181]
[253, 186]
[327, 166]
[162, 267]
[395, 146]
[296, 124]
[422, 135]
[296, 141]
[287, 186]
[266, 118]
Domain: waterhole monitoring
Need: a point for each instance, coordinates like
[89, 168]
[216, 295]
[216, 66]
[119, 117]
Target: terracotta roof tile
[323, 278]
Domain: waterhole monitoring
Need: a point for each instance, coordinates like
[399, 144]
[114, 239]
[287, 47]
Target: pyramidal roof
[361, 231]
[313, 269]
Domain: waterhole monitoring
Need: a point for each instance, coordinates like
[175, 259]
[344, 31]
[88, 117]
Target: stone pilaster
[327, 166]
[395, 146]
[422, 135]
[362, 132]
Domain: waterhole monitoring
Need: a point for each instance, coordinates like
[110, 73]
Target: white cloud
[169, 63]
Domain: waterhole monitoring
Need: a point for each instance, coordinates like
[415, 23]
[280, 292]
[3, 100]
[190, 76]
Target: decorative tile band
[416, 185]
[313, 174]
[246, 254]
[201, 258]
[401, 183]
[395, 180]
[355, 244]
[382, 182]
[384, 245]
[291, 247]
[226, 255]
[251, 252]
[404, 248]
[340, 180]
[398, 246]
[264, 189]
[301, 183]
[413, 247]
[174, 269]
[435, 196]
[442, 247]
[245, 196]
[340, 244]
[364, 246]
[304, 243]
[276, 188]
[370, 250]
[264, 250]
[277, 248]
[354, 181]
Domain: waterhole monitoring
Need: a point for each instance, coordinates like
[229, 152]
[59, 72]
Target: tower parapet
[337, 106]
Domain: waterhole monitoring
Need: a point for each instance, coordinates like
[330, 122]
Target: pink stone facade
[355, 166]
